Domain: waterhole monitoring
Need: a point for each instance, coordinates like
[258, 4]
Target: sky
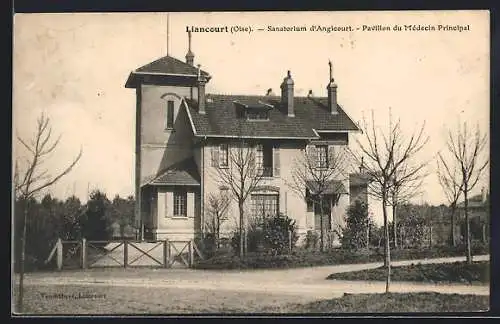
[73, 67]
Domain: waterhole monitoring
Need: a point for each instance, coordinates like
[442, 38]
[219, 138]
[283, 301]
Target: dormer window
[257, 115]
[253, 109]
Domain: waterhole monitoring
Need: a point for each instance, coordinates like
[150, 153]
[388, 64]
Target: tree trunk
[322, 234]
[453, 238]
[387, 260]
[367, 232]
[242, 240]
[217, 231]
[467, 228]
[395, 227]
[22, 259]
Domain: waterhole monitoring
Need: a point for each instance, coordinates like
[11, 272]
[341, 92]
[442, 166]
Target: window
[265, 205]
[180, 203]
[170, 114]
[223, 155]
[257, 115]
[264, 159]
[322, 151]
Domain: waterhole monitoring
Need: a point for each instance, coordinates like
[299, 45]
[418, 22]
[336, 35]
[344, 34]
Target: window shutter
[276, 161]
[312, 156]
[253, 154]
[169, 204]
[331, 156]
[190, 204]
[215, 156]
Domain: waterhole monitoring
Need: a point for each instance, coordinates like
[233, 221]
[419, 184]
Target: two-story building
[183, 134]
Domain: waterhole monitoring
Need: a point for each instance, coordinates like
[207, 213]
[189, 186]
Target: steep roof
[183, 173]
[331, 187]
[166, 66]
[221, 118]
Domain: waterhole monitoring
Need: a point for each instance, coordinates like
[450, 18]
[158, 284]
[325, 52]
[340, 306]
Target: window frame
[169, 122]
[180, 203]
[261, 152]
[320, 162]
[224, 147]
[266, 201]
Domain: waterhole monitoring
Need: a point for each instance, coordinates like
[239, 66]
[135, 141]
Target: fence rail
[91, 252]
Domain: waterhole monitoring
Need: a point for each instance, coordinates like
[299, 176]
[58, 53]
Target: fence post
[59, 254]
[125, 254]
[190, 253]
[165, 253]
[84, 253]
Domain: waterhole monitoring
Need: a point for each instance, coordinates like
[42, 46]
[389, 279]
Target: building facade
[185, 136]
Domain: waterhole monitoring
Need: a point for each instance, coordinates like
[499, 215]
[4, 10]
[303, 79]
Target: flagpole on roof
[168, 33]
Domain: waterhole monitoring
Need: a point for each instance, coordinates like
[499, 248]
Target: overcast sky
[74, 67]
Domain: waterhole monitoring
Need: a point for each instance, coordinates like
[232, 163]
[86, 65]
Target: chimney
[189, 55]
[287, 94]
[332, 92]
[201, 91]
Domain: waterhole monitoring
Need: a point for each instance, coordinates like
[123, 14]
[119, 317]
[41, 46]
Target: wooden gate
[99, 254]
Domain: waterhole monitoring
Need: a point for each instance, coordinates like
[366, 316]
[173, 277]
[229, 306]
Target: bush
[312, 240]
[271, 235]
[278, 231]
[354, 234]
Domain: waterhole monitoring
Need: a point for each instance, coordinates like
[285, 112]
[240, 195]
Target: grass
[303, 258]
[391, 303]
[147, 300]
[458, 272]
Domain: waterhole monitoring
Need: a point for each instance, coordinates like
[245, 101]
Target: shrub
[276, 232]
[312, 240]
[271, 235]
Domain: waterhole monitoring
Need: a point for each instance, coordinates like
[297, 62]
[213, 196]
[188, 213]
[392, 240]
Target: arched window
[170, 115]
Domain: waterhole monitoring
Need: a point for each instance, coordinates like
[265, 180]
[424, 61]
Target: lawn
[458, 272]
[143, 300]
[304, 258]
[390, 303]
[40, 299]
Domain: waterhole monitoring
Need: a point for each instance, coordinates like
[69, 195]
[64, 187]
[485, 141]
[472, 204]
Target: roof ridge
[260, 96]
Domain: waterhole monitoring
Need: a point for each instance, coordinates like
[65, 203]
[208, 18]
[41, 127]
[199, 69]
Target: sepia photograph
[270, 163]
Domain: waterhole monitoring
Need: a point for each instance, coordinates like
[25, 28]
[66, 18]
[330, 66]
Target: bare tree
[448, 179]
[386, 155]
[218, 205]
[466, 151]
[407, 182]
[35, 178]
[315, 175]
[241, 175]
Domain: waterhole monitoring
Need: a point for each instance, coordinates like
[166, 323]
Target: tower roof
[164, 66]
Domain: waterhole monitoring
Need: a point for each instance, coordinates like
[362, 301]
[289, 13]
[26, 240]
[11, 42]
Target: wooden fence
[123, 253]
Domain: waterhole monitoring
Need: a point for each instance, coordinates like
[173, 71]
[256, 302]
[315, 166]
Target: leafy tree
[96, 222]
[122, 212]
[357, 224]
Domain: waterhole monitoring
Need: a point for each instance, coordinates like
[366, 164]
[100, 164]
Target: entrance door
[327, 211]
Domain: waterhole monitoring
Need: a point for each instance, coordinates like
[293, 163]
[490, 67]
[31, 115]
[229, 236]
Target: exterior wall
[173, 227]
[291, 203]
[155, 138]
